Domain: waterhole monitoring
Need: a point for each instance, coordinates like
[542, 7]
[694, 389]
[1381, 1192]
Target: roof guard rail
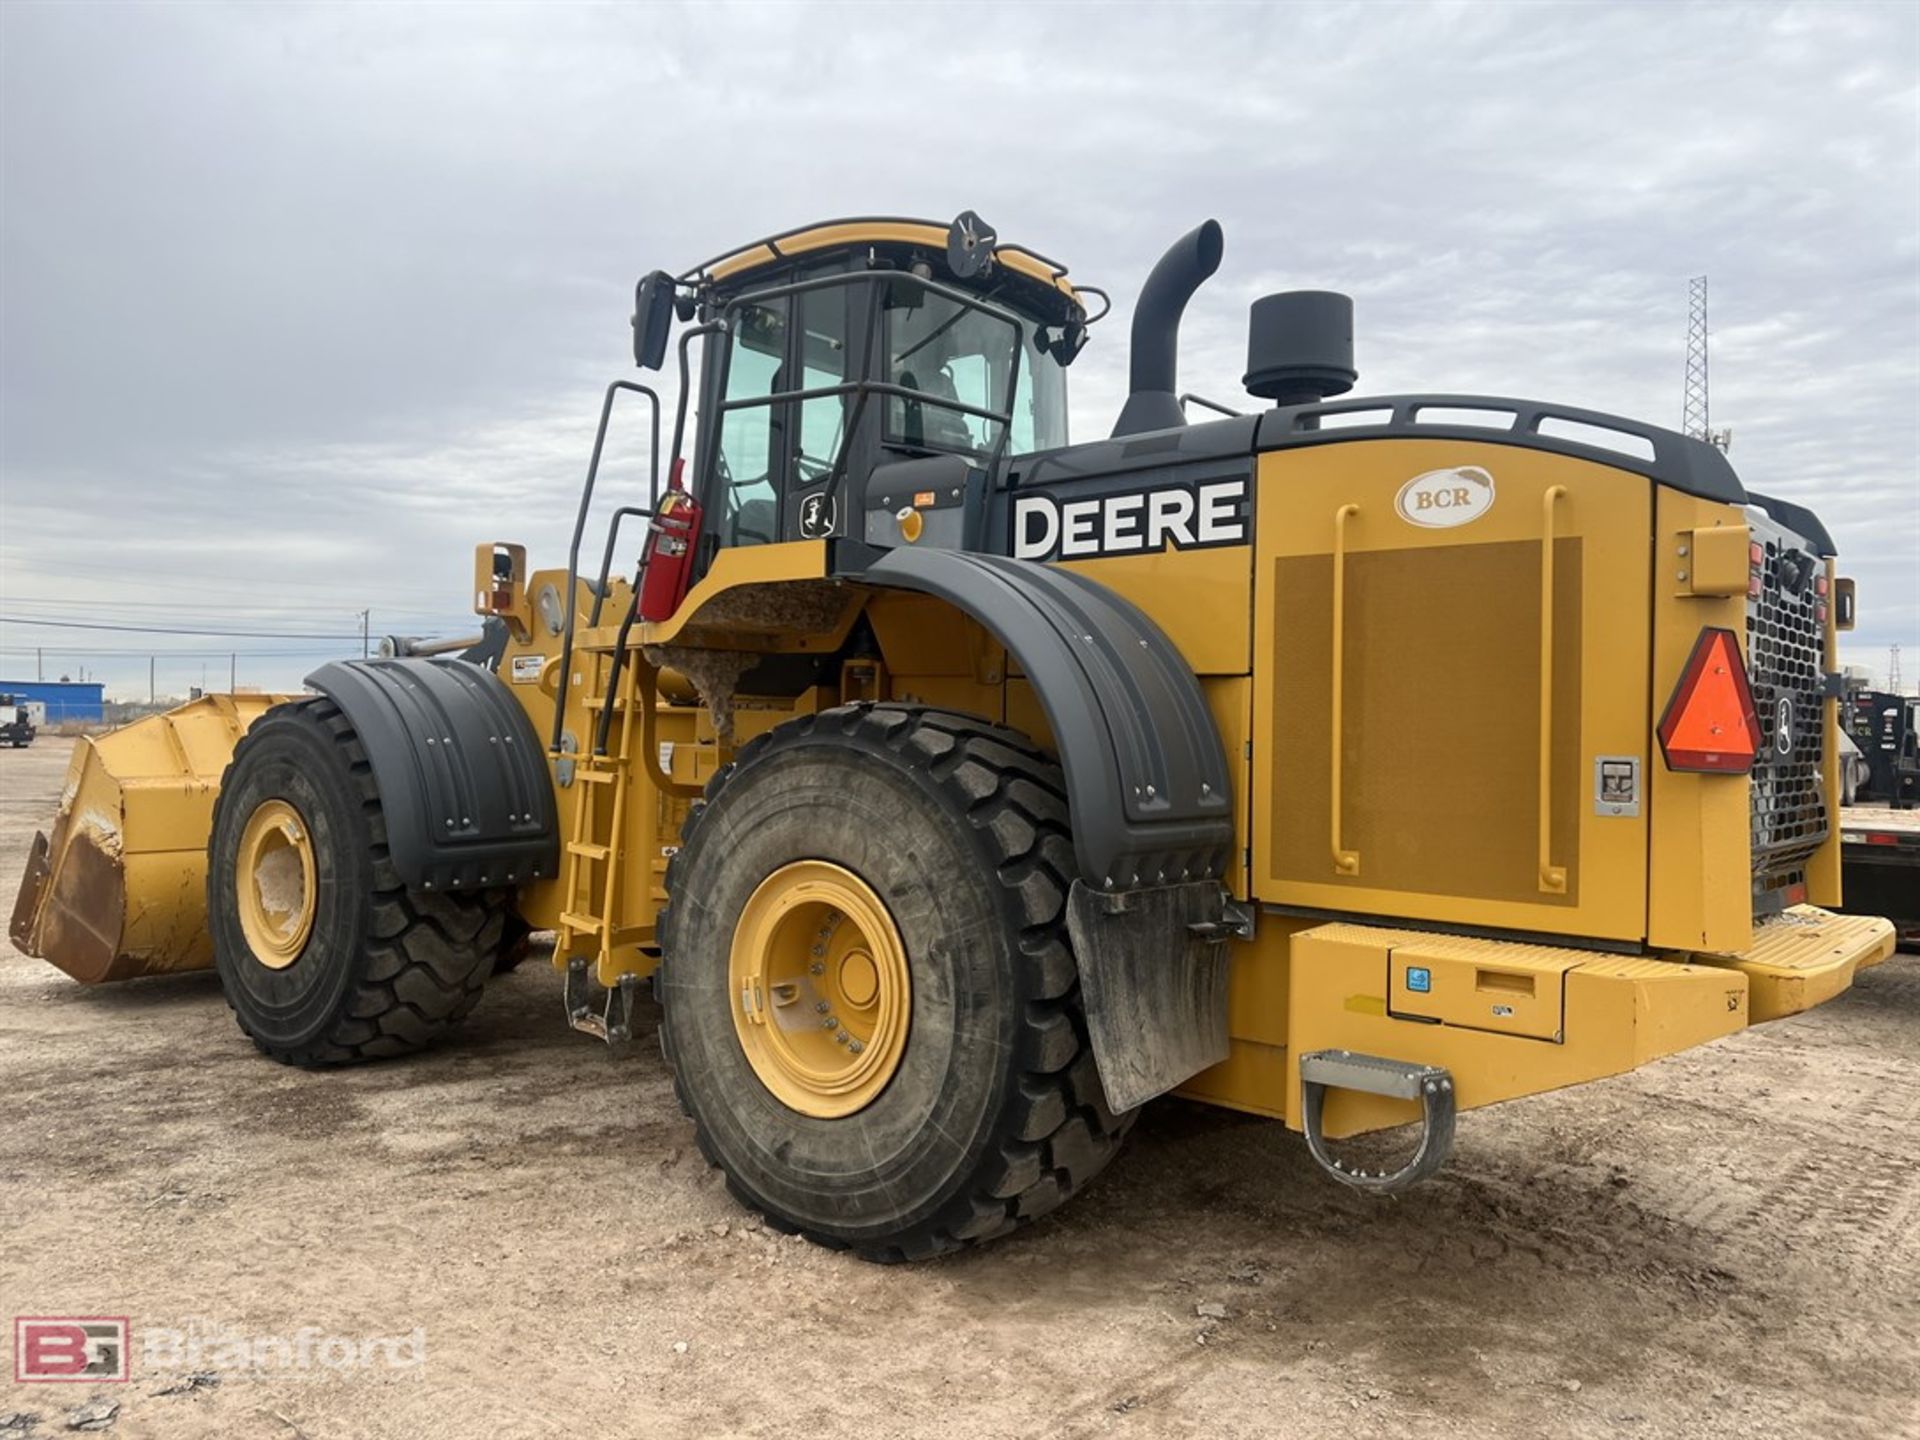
[1680, 461]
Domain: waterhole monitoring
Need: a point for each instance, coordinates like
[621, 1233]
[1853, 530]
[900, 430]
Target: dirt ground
[1723, 1244]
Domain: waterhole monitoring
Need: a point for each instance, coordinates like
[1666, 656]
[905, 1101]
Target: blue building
[64, 699]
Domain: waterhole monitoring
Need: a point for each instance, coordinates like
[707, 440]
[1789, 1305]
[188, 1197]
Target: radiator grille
[1785, 662]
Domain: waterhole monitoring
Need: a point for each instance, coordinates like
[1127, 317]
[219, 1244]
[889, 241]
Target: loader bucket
[119, 887]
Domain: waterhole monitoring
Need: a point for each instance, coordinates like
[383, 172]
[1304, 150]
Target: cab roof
[876, 231]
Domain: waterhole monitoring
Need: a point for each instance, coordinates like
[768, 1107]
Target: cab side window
[821, 342]
[747, 459]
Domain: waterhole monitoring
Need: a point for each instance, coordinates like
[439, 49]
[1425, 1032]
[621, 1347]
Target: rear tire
[381, 970]
[994, 1113]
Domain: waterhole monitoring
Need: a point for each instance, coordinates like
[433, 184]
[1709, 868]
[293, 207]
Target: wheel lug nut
[821, 1006]
[816, 969]
[830, 1023]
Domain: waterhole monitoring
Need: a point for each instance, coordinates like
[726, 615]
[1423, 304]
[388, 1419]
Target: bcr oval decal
[1443, 498]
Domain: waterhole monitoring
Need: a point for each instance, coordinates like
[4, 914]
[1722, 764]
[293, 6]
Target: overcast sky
[297, 304]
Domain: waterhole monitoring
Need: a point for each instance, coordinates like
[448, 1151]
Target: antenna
[1694, 419]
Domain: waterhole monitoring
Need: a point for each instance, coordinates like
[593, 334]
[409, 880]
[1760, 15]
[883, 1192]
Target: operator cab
[853, 347]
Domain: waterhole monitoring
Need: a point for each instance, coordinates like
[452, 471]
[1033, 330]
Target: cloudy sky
[297, 304]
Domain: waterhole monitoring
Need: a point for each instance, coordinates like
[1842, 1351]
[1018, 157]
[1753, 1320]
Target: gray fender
[462, 776]
[1147, 779]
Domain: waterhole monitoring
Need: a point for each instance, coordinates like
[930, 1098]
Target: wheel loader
[959, 788]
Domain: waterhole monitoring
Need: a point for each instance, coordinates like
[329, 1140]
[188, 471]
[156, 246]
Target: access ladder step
[582, 924]
[591, 776]
[586, 850]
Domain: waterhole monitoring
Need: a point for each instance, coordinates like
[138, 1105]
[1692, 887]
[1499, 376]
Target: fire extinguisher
[667, 570]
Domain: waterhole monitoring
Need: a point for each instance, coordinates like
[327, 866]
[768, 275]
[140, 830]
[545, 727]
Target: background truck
[17, 722]
[1880, 853]
[1886, 730]
[959, 788]
[1880, 823]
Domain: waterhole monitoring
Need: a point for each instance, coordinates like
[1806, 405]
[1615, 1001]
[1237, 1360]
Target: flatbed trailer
[1880, 866]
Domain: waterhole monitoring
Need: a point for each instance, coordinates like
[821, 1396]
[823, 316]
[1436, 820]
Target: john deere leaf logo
[1443, 498]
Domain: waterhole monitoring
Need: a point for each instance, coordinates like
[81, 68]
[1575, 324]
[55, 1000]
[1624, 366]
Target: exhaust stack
[1152, 402]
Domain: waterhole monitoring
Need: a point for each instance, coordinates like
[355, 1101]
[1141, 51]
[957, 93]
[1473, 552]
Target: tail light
[1710, 725]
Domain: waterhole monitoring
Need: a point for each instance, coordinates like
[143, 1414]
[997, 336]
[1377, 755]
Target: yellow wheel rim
[821, 995]
[274, 880]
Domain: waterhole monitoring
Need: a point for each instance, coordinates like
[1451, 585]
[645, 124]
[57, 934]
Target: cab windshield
[956, 362]
[965, 357]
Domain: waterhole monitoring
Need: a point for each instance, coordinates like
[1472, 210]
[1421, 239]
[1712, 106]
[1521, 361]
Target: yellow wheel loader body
[1353, 730]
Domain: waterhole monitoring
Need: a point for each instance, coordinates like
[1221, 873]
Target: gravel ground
[1723, 1244]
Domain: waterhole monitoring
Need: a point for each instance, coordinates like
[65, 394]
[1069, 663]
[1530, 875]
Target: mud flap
[1153, 975]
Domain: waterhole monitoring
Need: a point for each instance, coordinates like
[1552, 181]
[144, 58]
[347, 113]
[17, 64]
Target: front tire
[916, 844]
[324, 954]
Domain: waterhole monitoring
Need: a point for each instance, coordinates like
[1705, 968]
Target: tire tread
[427, 956]
[1054, 1132]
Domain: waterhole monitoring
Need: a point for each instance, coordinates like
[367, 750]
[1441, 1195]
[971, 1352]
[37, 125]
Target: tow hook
[1431, 1085]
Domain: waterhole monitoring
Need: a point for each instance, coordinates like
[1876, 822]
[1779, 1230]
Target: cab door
[1450, 685]
[771, 453]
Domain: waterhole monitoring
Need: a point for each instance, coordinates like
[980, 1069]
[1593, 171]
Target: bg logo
[1443, 498]
[81, 1350]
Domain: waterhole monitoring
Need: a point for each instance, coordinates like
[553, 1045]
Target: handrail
[606, 558]
[1205, 404]
[687, 337]
[1345, 861]
[579, 529]
[877, 277]
[1553, 878]
[1691, 466]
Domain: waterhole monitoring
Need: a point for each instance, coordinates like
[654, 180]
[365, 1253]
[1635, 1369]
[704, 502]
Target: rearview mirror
[1063, 342]
[652, 317]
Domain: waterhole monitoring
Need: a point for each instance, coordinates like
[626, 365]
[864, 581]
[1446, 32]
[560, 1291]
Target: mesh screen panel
[1785, 663]
[1442, 690]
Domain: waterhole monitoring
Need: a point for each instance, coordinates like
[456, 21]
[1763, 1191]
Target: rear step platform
[1804, 956]
[1374, 1075]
